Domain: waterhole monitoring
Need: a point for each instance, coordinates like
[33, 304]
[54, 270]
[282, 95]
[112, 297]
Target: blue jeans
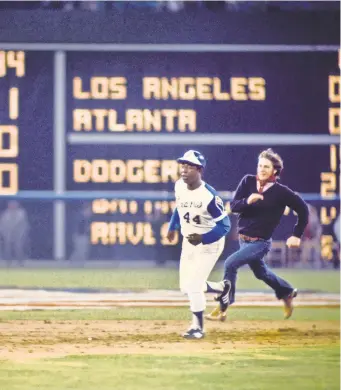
[252, 254]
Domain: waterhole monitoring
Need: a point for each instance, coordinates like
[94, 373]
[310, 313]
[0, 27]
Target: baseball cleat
[216, 315]
[194, 334]
[288, 304]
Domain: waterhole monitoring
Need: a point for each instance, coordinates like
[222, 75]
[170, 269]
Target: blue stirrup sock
[199, 319]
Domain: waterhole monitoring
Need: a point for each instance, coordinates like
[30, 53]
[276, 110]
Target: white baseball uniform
[198, 210]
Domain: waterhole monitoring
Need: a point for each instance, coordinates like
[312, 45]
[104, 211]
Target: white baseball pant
[196, 264]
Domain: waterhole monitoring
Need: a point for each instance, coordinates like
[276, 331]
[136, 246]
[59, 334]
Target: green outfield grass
[299, 369]
[169, 313]
[256, 369]
[157, 278]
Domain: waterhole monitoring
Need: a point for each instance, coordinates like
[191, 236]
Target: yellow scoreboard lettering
[11, 133]
[122, 233]
[12, 63]
[114, 88]
[334, 89]
[13, 98]
[327, 215]
[142, 120]
[12, 60]
[167, 119]
[328, 184]
[203, 88]
[327, 243]
[9, 179]
[334, 120]
[130, 171]
[122, 206]
[334, 113]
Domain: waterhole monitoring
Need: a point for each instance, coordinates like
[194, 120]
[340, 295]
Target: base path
[28, 299]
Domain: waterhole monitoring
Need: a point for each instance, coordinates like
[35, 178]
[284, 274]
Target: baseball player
[201, 216]
[260, 202]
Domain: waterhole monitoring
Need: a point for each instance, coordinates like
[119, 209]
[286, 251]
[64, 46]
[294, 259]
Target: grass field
[157, 278]
[142, 348]
[261, 368]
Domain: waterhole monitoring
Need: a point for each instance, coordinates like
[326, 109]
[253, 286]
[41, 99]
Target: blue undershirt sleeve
[174, 223]
[220, 230]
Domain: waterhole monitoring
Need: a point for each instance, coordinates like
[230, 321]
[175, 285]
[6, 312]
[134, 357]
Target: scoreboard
[124, 117]
[203, 93]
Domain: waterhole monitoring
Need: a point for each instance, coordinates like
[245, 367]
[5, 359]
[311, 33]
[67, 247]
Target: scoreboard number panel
[26, 121]
[137, 94]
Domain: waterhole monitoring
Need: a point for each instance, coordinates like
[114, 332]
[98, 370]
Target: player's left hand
[293, 242]
[171, 235]
[194, 238]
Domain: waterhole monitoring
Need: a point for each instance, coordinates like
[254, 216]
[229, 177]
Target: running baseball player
[203, 222]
